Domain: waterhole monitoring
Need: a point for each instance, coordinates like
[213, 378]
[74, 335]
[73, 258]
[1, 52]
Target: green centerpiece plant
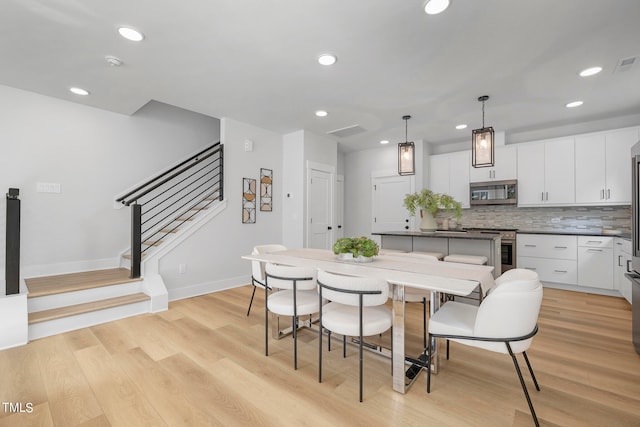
[360, 249]
[430, 203]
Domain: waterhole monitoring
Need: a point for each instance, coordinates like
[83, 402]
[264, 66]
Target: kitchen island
[447, 242]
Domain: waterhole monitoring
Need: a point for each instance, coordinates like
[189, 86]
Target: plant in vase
[429, 204]
[359, 249]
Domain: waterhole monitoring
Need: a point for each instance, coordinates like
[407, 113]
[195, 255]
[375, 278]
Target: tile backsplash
[592, 218]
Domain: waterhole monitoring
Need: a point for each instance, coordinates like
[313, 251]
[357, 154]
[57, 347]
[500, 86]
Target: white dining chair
[297, 296]
[257, 268]
[505, 322]
[355, 308]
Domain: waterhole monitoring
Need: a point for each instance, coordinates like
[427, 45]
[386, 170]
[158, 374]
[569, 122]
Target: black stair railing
[12, 243]
[164, 203]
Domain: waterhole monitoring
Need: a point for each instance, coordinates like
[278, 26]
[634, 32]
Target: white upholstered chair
[505, 322]
[297, 297]
[355, 308]
[257, 268]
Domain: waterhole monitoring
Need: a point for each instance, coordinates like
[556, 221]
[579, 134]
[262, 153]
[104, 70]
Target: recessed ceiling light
[79, 91]
[131, 34]
[433, 7]
[321, 113]
[574, 104]
[590, 71]
[327, 59]
[384, 141]
[461, 126]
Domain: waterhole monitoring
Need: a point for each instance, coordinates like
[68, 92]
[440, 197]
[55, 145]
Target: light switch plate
[48, 187]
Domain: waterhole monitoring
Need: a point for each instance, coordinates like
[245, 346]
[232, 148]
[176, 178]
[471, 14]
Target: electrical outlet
[248, 145]
[182, 268]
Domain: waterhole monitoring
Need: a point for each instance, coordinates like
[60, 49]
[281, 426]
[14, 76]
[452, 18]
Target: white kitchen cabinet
[546, 173]
[553, 257]
[449, 173]
[603, 174]
[621, 258]
[595, 261]
[505, 167]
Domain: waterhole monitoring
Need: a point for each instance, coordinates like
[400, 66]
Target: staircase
[67, 302]
[166, 210]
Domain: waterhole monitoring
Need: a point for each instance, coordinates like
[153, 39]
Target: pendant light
[482, 143]
[406, 153]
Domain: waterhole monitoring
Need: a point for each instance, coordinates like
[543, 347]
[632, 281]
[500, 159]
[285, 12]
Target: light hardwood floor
[202, 363]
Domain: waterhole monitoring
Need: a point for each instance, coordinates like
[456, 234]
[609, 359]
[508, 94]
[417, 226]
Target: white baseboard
[584, 289]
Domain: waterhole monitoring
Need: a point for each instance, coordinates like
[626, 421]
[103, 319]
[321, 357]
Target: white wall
[94, 155]
[213, 255]
[358, 167]
[301, 147]
[293, 190]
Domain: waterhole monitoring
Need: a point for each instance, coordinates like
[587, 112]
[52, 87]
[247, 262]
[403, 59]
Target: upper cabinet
[603, 174]
[449, 173]
[546, 173]
[505, 167]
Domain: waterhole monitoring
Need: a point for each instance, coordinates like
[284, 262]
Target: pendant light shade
[483, 143]
[406, 153]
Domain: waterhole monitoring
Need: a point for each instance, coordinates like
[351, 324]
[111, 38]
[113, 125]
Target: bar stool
[466, 259]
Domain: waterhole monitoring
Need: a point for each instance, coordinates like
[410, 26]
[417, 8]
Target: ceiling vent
[625, 64]
[348, 131]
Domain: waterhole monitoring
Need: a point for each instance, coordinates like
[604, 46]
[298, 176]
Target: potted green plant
[429, 204]
[359, 249]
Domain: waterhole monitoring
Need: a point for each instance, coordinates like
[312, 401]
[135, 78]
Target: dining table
[437, 277]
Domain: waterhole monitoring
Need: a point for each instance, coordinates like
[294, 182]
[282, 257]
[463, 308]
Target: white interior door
[388, 194]
[320, 214]
[339, 229]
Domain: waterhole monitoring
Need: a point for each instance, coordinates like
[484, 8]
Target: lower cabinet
[586, 261]
[595, 262]
[554, 258]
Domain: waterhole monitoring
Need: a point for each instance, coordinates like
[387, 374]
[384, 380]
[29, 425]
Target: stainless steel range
[508, 244]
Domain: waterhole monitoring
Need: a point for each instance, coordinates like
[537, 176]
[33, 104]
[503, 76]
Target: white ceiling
[256, 61]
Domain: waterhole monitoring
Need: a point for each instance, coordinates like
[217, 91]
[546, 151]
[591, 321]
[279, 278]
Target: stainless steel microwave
[494, 192]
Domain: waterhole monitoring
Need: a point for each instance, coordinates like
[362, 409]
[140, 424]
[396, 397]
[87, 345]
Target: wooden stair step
[183, 219]
[72, 310]
[204, 208]
[152, 243]
[169, 230]
[128, 256]
[50, 285]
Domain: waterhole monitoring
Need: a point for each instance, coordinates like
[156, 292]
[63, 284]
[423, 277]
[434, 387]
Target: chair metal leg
[360, 357]
[328, 340]
[429, 352]
[424, 323]
[524, 386]
[531, 370]
[320, 337]
[447, 349]
[344, 346]
[266, 324]
[251, 302]
[294, 325]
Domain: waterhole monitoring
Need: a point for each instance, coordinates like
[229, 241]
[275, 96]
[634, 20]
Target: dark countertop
[575, 233]
[448, 234]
